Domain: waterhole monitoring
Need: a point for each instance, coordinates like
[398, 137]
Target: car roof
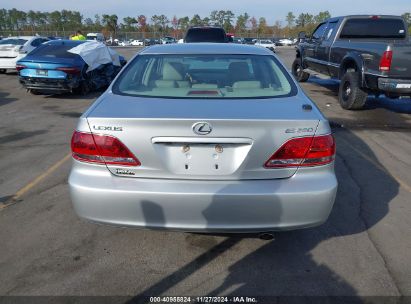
[66, 42]
[334, 19]
[205, 48]
[22, 37]
[206, 27]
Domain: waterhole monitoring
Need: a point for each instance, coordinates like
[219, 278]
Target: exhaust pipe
[266, 236]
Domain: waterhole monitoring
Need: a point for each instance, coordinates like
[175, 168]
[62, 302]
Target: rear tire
[298, 71]
[35, 92]
[350, 94]
[3, 71]
[83, 89]
[392, 96]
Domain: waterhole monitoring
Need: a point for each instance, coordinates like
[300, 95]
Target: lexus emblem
[202, 128]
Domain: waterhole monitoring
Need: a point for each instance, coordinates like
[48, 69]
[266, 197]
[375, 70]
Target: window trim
[321, 24]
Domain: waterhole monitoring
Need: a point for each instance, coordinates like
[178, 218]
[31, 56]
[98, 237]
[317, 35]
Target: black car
[249, 41]
[238, 40]
[276, 41]
[148, 42]
[206, 34]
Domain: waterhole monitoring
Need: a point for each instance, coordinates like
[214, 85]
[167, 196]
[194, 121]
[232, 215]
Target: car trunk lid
[45, 67]
[243, 135]
[9, 50]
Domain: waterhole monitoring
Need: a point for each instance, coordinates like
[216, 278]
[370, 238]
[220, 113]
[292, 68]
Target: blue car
[52, 69]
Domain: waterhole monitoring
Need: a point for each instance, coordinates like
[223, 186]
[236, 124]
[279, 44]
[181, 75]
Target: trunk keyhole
[216, 166]
[186, 166]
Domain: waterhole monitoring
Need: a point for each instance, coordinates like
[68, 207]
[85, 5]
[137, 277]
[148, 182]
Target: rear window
[13, 41]
[374, 28]
[205, 35]
[205, 76]
[54, 51]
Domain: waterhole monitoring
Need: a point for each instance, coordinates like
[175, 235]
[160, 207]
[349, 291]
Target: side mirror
[302, 36]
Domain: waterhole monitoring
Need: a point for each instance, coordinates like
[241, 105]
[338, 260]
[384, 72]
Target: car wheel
[298, 71]
[350, 95]
[392, 95]
[3, 71]
[35, 92]
[83, 88]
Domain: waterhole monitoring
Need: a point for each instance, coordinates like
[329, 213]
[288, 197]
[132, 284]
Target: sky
[272, 10]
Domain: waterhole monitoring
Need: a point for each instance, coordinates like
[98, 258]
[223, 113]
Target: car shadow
[287, 266]
[72, 96]
[402, 105]
[11, 72]
[6, 99]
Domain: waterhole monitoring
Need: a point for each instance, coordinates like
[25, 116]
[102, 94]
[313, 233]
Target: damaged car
[67, 66]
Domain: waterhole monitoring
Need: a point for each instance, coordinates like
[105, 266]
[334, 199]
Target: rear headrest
[252, 84]
[239, 70]
[173, 71]
[165, 84]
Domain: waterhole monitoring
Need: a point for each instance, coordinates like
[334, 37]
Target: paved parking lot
[364, 249]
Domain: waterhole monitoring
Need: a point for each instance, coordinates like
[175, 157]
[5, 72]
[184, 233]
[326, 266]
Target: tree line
[67, 21]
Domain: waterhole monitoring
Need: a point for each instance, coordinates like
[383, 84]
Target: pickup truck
[206, 34]
[369, 54]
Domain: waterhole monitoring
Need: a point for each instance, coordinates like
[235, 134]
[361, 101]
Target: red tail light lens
[70, 70]
[304, 151]
[101, 149]
[386, 59]
[20, 67]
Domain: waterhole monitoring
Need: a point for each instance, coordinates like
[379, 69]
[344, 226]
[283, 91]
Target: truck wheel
[298, 71]
[350, 95]
[3, 71]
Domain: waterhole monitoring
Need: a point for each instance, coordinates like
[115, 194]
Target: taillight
[304, 151]
[385, 62]
[101, 149]
[70, 70]
[20, 67]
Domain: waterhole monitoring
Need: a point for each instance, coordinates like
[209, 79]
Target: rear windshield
[13, 41]
[374, 28]
[54, 51]
[205, 76]
[205, 35]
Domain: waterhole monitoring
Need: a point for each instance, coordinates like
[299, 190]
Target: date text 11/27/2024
[203, 299]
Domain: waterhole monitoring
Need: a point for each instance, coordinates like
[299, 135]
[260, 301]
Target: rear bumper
[9, 63]
[50, 84]
[397, 86]
[301, 201]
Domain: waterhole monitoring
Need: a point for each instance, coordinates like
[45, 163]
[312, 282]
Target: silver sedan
[204, 137]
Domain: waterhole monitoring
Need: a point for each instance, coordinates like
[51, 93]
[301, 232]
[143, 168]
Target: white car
[12, 49]
[137, 42]
[124, 43]
[266, 43]
[95, 36]
[286, 41]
